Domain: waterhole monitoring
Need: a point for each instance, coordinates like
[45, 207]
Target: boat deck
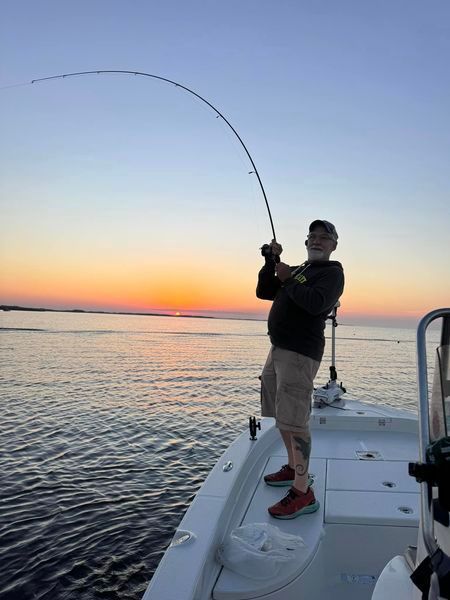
[361, 479]
[367, 500]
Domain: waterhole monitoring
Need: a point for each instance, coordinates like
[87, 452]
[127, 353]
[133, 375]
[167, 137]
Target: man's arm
[268, 283]
[319, 297]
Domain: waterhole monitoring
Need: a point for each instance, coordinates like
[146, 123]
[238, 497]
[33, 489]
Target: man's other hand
[283, 271]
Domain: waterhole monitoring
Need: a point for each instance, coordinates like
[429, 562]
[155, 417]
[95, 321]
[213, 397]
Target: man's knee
[301, 431]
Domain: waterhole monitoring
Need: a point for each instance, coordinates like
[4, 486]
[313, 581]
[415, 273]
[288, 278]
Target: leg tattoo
[304, 447]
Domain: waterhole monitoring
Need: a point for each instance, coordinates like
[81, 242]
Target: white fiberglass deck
[369, 511]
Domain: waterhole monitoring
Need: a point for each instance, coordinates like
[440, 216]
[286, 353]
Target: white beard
[314, 254]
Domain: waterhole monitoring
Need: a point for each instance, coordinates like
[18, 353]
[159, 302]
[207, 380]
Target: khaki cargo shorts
[287, 383]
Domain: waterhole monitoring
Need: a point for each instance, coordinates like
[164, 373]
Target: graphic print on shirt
[298, 275]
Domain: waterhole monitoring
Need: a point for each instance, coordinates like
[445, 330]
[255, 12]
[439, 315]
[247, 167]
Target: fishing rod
[179, 85]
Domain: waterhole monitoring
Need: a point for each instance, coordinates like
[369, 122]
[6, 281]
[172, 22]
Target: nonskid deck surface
[373, 463]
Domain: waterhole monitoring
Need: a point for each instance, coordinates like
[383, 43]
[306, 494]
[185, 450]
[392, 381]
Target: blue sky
[343, 106]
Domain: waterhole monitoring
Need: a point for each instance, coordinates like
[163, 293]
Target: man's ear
[335, 245]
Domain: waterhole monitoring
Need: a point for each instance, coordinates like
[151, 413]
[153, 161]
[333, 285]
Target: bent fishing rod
[179, 85]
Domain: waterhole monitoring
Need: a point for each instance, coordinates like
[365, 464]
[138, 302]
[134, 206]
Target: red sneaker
[294, 504]
[285, 476]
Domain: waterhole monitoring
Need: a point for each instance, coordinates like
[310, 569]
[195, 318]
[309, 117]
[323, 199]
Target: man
[302, 298]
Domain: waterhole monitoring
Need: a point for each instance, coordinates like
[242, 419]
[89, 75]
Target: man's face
[320, 244]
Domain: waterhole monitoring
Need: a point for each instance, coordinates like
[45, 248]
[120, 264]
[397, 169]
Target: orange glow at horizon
[195, 287]
[204, 287]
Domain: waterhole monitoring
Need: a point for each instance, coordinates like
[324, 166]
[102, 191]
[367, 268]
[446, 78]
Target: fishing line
[176, 84]
[254, 191]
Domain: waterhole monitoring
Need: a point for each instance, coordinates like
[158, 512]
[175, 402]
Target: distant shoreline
[7, 308]
[10, 307]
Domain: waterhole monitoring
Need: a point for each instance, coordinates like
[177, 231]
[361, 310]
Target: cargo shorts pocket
[293, 405]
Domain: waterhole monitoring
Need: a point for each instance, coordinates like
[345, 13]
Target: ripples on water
[110, 424]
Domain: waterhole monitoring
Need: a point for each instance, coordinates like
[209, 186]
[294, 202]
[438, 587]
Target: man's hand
[283, 271]
[276, 248]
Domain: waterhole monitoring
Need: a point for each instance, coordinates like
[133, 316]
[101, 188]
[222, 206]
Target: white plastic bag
[258, 550]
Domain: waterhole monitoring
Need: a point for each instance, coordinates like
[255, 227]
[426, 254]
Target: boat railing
[425, 434]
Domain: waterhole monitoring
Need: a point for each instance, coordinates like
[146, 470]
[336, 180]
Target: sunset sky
[124, 193]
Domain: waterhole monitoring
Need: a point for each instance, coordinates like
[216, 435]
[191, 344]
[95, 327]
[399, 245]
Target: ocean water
[110, 423]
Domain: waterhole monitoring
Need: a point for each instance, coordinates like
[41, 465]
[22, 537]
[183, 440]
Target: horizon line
[176, 314]
[356, 321]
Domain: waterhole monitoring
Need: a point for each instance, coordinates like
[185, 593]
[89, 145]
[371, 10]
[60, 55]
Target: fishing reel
[266, 251]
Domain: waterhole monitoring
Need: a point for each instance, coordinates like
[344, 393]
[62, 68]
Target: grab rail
[424, 423]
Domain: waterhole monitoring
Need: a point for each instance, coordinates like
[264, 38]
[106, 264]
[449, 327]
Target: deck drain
[405, 510]
[368, 455]
[389, 484]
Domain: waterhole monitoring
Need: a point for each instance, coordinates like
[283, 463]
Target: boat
[372, 529]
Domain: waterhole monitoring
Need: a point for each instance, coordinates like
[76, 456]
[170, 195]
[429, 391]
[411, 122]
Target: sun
[178, 314]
